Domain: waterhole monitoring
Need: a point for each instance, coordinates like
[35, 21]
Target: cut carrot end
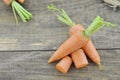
[79, 58]
[81, 66]
[64, 65]
[61, 69]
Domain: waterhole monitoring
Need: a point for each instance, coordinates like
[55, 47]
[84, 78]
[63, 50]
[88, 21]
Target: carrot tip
[50, 60]
[100, 67]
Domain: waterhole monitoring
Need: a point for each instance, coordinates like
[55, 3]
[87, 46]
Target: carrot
[16, 7]
[64, 65]
[21, 1]
[79, 38]
[75, 28]
[8, 2]
[91, 52]
[89, 48]
[76, 41]
[79, 58]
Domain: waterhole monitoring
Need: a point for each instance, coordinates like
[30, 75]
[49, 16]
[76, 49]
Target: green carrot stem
[16, 19]
[24, 14]
[96, 25]
[63, 13]
[28, 13]
[19, 13]
[64, 20]
[63, 17]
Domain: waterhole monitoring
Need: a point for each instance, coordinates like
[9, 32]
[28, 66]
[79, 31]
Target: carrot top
[96, 25]
[23, 13]
[63, 17]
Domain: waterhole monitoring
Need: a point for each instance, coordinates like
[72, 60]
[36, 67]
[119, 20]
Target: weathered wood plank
[33, 66]
[44, 32]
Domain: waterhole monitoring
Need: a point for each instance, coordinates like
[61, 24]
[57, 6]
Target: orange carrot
[64, 65]
[76, 41]
[89, 48]
[8, 2]
[79, 38]
[79, 58]
[91, 52]
[21, 1]
[75, 28]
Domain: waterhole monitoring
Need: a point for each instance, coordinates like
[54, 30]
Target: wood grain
[25, 48]
[32, 65]
[45, 32]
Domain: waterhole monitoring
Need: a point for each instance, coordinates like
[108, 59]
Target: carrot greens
[23, 13]
[63, 17]
[96, 25]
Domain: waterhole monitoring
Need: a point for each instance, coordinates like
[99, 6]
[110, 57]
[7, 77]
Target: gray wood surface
[45, 32]
[32, 65]
[25, 48]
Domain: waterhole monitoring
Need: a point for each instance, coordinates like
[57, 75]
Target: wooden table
[25, 48]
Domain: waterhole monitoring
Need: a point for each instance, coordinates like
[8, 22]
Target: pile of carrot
[78, 45]
[16, 7]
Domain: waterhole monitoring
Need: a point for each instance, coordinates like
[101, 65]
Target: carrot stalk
[77, 40]
[19, 13]
[26, 16]
[65, 18]
[64, 65]
[79, 58]
[14, 13]
[96, 25]
[25, 11]
[16, 7]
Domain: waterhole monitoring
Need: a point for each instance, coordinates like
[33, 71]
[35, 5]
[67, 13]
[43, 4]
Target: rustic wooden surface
[32, 65]
[25, 48]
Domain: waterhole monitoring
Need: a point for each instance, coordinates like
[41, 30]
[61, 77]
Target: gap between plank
[51, 50]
